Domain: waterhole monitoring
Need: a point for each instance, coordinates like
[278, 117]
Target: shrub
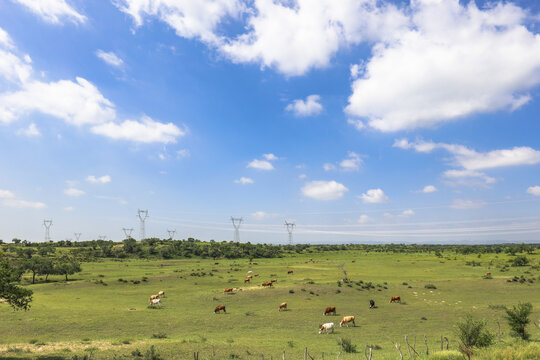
[430, 286]
[159, 335]
[518, 319]
[519, 261]
[33, 341]
[291, 291]
[151, 354]
[347, 345]
[404, 283]
[472, 333]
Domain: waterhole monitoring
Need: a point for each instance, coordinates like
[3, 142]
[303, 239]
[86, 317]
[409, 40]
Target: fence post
[441, 344]
[425, 340]
[283, 355]
[305, 353]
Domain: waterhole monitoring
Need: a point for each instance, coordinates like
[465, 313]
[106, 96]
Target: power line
[47, 224]
[143, 215]
[290, 227]
[236, 224]
[127, 232]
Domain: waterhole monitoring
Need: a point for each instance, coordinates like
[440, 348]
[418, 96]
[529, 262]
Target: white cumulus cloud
[534, 190]
[53, 11]
[296, 36]
[311, 106]
[30, 131]
[146, 130]
[453, 61]
[467, 204]
[77, 103]
[8, 199]
[73, 192]
[324, 190]
[98, 180]
[374, 196]
[471, 162]
[351, 163]
[270, 157]
[190, 19]
[244, 180]
[110, 58]
[428, 189]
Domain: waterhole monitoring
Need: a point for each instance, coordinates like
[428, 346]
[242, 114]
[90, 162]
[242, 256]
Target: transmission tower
[290, 227]
[171, 233]
[236, 223]
[102, 237]
[47, 224]
[143, 215]
[77, 236]
[127, 232]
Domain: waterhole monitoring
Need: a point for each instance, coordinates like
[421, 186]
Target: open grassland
[95, 313]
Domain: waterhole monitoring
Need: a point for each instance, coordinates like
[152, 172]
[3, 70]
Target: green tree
[17, 296]
[16, 241]
[472, 333]
[519, 261]
[67, 266]
[518, 319]
[130, 245]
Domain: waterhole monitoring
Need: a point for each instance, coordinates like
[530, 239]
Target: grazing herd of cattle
[156, 300]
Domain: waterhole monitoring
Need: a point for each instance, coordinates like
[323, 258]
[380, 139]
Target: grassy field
[95, 313]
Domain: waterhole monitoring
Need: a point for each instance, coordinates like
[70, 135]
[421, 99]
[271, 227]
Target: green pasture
[84, 316]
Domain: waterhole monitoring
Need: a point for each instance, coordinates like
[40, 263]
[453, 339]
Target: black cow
[371, 304]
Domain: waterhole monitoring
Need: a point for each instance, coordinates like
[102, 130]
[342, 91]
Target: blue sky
[361, 121]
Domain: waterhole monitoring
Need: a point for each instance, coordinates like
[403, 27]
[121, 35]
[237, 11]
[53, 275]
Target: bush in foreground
[518, 319]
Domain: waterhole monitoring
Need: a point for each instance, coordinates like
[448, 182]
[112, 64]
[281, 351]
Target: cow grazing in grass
[246, 280]
[488, 273]
[330, 309]
[371, 304]
[153, 297]
[326, 327]
[249, 276]
[250, 272]
[273, 280]
[219, 308]
[395, 299]
[161, 293]
[289, 272]
[155, 302]
[256, 274]
[346, 320]
[267, 284]
[354, 261]
[282, 306]
[216, 263]
[228, 290]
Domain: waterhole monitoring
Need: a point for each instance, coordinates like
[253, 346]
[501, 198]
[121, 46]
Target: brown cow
[354, 261]
[153, 297]
[330, 309]
[256, 274]
[395, 299]
[289, 272]
[218, 308]
[273, 280]
[282, 306]
[249, 276]
[246, 280]
[267, 284]
[228, 290]
[488, 273]
[216, 263]
[347, 320]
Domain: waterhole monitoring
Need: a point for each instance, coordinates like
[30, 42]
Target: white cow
[161, 293]
[250, 272]
[156, 302]
[326, 327]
